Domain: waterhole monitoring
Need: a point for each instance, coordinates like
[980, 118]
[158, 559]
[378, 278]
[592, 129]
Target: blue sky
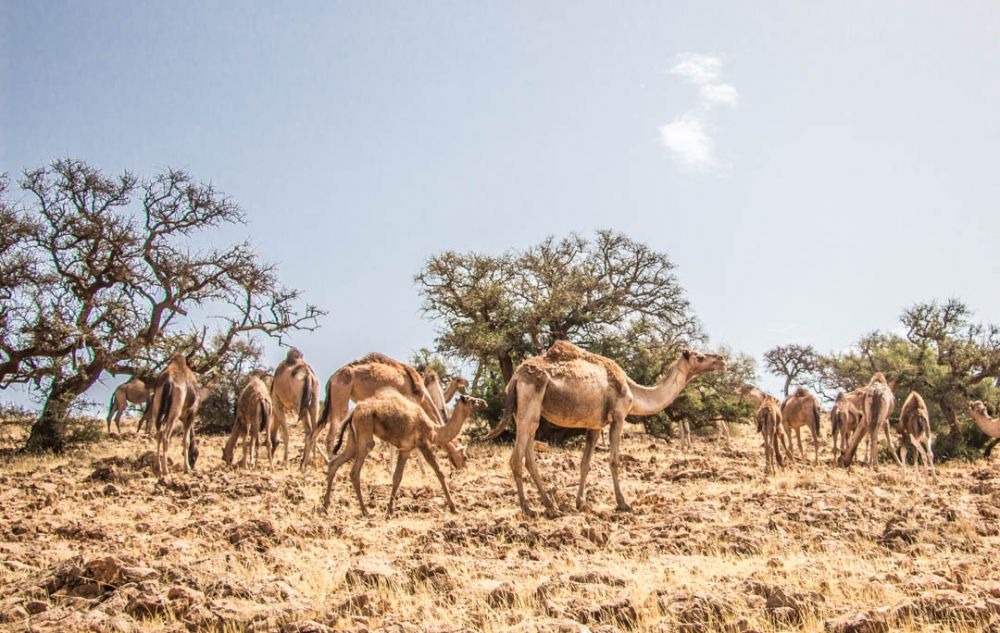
[810, 169]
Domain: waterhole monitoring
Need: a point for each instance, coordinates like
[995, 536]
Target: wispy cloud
[687, 136]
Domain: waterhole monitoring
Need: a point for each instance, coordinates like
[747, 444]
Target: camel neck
[989, 426]
[652, 400]
[453, 426]
[450, 392]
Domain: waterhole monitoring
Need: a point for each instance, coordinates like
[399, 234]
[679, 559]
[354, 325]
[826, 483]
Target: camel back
[564, 352]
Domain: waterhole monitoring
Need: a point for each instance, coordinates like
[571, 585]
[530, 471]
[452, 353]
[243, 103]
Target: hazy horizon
[811, 170]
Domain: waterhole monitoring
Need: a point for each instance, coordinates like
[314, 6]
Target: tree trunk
[506, 367]
[788, 384]
[48, 433]
[954, 437]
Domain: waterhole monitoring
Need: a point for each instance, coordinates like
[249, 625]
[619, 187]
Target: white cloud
[687, 136]
[687, 139]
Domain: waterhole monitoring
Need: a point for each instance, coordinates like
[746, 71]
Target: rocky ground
[91, 541]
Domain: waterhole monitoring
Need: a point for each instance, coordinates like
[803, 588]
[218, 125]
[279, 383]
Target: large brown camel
[367, 376]
[769, 425]
[401, 422]
[175, 398]
[798, 410]
[574, 388]
[294, 392]
[253, 416]
[989, 426]
[915, 425]
[845, 416]
[877, 404]
[135, 391]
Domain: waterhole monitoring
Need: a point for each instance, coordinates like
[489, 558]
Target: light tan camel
[175, 398]
[574, 388]
[253, 417]
[845, 416]
[915, 425]
[798, 410]
[989, 426]
[135, 391]
[398, 420]
[294, 392]
[365, 377]
[769, 425]
[440, 398]
[877, 404]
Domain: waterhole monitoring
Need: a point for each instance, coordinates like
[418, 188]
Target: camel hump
[801, 392]
[564, 351]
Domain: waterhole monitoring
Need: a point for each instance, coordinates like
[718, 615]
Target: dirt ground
[92, 541]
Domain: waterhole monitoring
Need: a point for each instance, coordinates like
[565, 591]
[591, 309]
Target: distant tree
[792, 362]
[106, 266]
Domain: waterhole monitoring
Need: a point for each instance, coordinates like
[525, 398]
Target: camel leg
[798, 438]
[284, 438]
[546, 496]
[365, 443]
[429, 456]
[892, 449]
[815, 437]
[989, 447]
[186, 447]
[529, 410]
[852, 445]
[397, 477]
[331, 471]
[873, 447]
[617, 426]
[588, 454]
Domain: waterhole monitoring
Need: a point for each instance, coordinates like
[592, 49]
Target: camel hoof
[624, 507]
[528, 513]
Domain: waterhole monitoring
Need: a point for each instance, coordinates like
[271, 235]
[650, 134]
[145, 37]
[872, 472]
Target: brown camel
[877, 404]
[989, 426]
[798, 410]
[401, 422]
[135, 391]
[293, 394]
[367, 376]
[769, 425]
[253, 416]
[175, 398]
[845, 416]
[915, 425]
[574, 388]
[440, 398]
[753, 394]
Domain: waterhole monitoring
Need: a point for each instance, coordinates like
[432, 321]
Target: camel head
[979, 408]
[701, 363]
[460, 383]
[878, 377]
[472, 405]
[456, 455]
[179, 359]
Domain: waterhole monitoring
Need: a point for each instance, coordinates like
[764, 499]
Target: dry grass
[712, 545]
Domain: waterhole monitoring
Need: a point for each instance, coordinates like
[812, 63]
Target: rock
[139, 574]
[306, 626]
[106, 570]
[697, 612]
[146, 606]
[183, 598]
[87, 590]
[790, 606]
[549, 625]
[864, 622]
[950, 606]
[35, 607]
[433, 573]
[259, 534]
[12, 612]
[107, 473]
[621, 613]
[597, 578]
[372, 572]
[148, 461]
[357, 603]
[598, 534]
[495, 592]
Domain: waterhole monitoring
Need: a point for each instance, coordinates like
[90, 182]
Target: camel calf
[253, 416]
[135, 391]
[798, 410]
[845, 416]
[878, 402]
[175, 398]
[401, 422]
[769, 425]
[915, 426]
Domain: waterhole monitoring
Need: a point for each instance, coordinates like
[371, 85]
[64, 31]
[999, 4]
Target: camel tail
[307, 395]
[816, 413]
[325, 414]
[111, 406]
[343, 427]
[509, 410]
[762, 416]
[165, 401]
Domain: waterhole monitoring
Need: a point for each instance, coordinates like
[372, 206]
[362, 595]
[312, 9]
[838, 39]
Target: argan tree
[792, 362]
[106, 266]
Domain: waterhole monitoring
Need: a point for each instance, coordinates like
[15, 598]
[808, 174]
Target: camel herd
[406, 408]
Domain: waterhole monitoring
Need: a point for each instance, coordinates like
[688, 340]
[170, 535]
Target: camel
[989, 426]
[293, 394]
[175, 398]
[440, 398]
[845, 416]
[398, 420]
[753, 394]
[877, 404]
[135, 391]
[769, 425]
[367, 376]
[798, 410]
[575, 388]
[915, 425]
[253, 415]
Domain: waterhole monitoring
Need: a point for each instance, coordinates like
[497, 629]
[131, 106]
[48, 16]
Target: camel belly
[583, 407]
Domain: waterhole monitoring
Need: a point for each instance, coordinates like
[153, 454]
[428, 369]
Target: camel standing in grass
[845, 416]
[253, 416]
[769, 425]
[877, 404]
[135, 391]
[989, 426]
[401, 422]
[440, 398]
[293, 394]
[798, 410]
[915, 426]
[175, 398]
[574, 388]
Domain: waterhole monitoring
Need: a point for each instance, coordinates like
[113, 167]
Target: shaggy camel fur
[574, 388]
[175, 398]
[989, 426]
[367, 376]
[397, 420]
[877, 404]
[798, 410]
[769, 425]
[135, 391]
[845, 416]
[253, 416]
[293, 394]
[915, 425]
